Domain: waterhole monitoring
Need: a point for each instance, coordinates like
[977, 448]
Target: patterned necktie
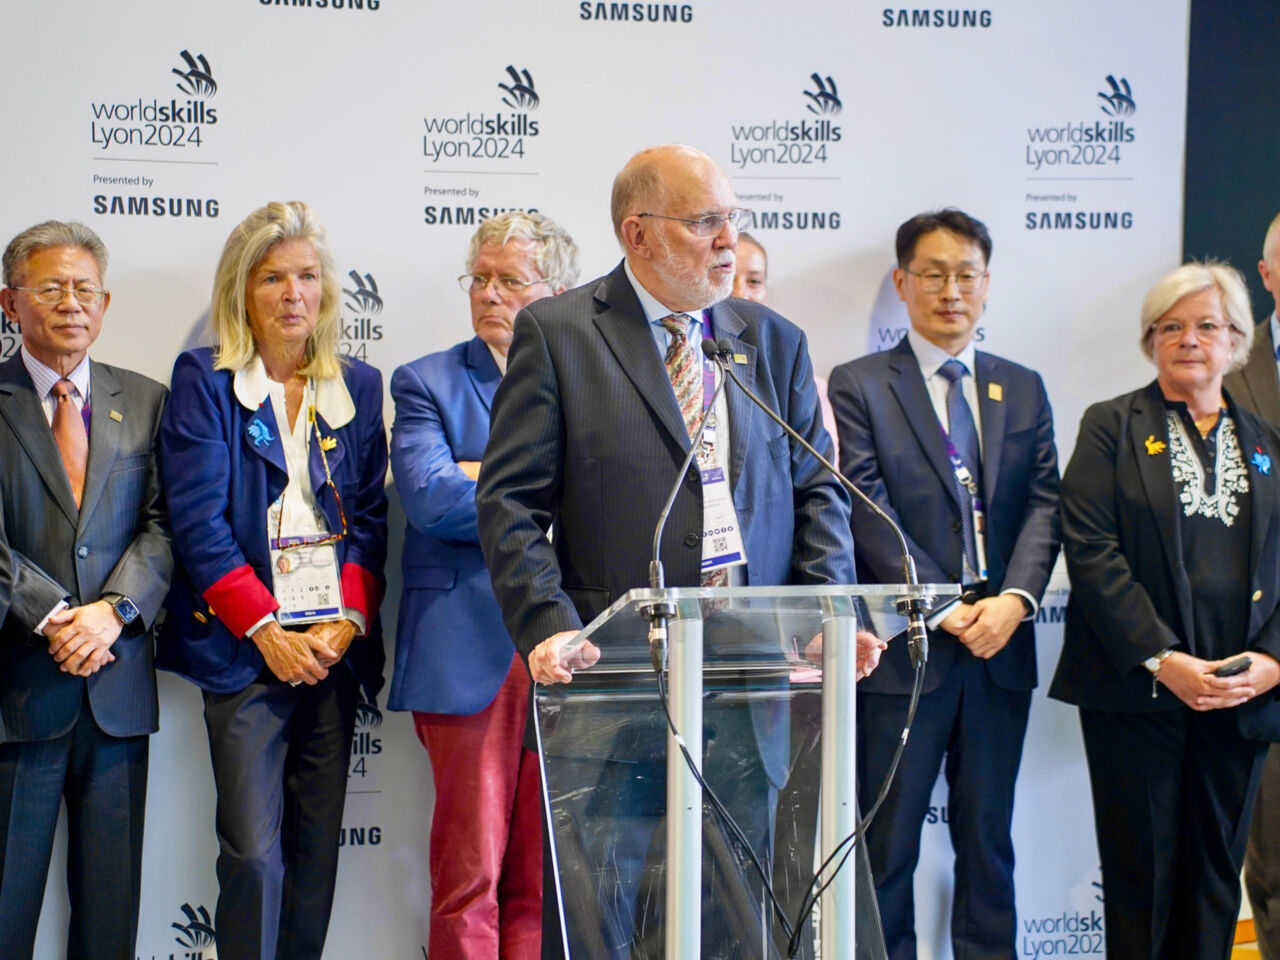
[684, 367]
[685, 371]
[70, 436]
[964, 437]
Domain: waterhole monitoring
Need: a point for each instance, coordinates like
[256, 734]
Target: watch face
[126, 609]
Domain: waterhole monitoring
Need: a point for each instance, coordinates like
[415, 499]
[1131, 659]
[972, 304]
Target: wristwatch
[125, 608]
[1154, 663]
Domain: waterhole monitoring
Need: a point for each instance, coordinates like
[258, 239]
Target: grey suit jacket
[1256, 385]
[117, 542]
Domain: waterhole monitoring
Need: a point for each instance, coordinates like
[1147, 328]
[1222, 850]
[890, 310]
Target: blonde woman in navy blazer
[1171, 531]
[280, 703]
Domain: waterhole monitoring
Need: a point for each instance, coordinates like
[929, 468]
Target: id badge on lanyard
[304, 569]
[722, 544]
[966, 479]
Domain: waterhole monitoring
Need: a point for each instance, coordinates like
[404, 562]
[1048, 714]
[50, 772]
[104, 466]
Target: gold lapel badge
[995, 392]
[116, 415]
[1154, 446]
[328, 443]
[740, 358]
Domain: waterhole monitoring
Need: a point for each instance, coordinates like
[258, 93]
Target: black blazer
[1130, 595]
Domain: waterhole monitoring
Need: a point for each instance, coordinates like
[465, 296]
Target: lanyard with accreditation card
[304, 569]
[722, 544]
[966, 479]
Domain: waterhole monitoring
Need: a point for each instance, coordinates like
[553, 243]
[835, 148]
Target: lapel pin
[995, 392]
[328, 443]
[260, 433]
[1261, 461]
[740, 358]
[1154, 446]
[116, 415]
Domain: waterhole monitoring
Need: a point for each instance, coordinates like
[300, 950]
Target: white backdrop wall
[404, 122]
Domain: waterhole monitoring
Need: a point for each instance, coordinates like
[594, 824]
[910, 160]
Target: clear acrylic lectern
[760, 687]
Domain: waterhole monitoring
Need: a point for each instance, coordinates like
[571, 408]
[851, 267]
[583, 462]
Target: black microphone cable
[917, 638]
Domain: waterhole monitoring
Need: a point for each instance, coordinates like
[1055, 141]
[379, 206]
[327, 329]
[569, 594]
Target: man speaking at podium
[606, 384]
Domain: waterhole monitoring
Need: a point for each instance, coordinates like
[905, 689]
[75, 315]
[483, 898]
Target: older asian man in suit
[595, 414]
[456, 667]
[957, 445]
[1256, 387]
[83, 516]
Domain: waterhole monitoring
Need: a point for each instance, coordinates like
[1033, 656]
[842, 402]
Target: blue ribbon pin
[1261, 461]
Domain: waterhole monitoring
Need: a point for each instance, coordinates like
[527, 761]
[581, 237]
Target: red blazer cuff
[361, 590]
[239, 599]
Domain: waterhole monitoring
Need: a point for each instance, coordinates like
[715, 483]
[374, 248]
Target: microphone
[660, 612]
[914, 610]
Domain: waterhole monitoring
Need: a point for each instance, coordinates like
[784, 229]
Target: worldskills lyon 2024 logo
[791, 143]
[1087, 145]
[156, 123]
[487, 135]
[364, 304]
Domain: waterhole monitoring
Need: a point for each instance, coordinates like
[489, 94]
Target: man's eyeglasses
[932, 281]
[711, 225]
[52, 294]
[475, 282]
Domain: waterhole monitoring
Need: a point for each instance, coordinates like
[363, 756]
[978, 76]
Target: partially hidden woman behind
[273, 456]
[1171, 531]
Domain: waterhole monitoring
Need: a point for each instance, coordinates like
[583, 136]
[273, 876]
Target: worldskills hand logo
[519, 93]
[197, 80]
[364, 300]
[824, 100]
[368, 716]
[1119, 102]
[197, 932]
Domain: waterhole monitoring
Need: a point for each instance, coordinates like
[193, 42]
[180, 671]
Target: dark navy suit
[58, 731]
[588, 437]
[973, 711]
[279, 752]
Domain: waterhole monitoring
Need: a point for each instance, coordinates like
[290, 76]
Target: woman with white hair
[1171, 531]
[273, 457]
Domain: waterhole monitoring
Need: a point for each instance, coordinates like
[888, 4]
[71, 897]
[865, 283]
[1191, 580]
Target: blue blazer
[222, 463]
[892, 448]
[452, 650]
[117, 542]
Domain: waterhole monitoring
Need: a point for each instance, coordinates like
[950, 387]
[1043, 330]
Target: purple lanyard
[708, 368]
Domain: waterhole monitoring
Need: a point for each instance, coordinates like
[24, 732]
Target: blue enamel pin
[260, 433]
[1261, 461]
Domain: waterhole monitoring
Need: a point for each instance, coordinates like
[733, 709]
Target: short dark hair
[949, 219]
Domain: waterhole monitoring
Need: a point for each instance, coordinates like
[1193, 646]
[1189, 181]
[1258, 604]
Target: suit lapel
[908, 386]
[104, 436]
[727, 324]
[483, 371]
[261, 434]
[622, 324]
[1149, 443]
[329, 442]
[1256, 453]
[23, 412]
[1260, 374]
[993, 415]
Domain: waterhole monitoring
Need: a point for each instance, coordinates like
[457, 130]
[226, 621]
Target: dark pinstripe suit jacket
[118, 542]
[586, 434]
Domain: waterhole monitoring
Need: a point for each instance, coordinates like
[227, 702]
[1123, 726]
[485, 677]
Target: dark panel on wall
[1233, 134]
